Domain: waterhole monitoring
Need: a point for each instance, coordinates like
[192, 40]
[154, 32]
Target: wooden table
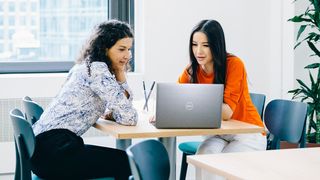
[290, 164]
[144, 129]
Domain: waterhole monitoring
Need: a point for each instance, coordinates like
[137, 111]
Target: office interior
[256, 31]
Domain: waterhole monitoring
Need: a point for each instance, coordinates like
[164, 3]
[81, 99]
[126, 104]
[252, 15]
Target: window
[23, 20]
[11, 20]
[34, 6]
[11, 32]
[11, 7]
[23, 6]
[46, 35]
[33, 21]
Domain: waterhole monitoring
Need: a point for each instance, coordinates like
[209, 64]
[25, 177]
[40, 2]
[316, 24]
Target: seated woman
[211, 63]
[95, 85]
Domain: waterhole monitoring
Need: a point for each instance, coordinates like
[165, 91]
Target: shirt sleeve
[70, 72]
[125, 87]
[112, 93]
[69, 75]
[234, 82]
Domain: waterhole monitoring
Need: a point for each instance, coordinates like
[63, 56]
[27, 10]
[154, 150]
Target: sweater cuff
[125, 87]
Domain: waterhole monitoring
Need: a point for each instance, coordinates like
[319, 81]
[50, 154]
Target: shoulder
[234, 62]
[185, 76]
[187, 70]
[100, 69]
[77, 70]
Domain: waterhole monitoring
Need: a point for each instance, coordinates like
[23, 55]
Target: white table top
[290, 164]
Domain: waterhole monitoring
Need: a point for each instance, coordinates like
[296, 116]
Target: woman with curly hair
[95, 87]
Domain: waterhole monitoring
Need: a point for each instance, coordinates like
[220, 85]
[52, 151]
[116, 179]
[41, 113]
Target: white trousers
[231, 143]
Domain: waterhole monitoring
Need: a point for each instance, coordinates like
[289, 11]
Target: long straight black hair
[214, 32]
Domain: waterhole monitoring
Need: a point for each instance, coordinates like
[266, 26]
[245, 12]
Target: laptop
[188, 105]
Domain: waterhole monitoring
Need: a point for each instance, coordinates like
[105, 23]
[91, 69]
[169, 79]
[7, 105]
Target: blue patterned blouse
[83, 99]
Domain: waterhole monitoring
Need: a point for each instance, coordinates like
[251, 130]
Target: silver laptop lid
[188, 105]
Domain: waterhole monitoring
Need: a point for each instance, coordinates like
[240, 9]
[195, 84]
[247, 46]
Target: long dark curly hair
[104, 36]
[214, 32]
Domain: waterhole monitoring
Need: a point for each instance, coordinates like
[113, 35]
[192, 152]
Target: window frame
[117, 9]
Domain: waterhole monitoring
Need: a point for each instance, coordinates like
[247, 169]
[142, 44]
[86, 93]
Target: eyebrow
[122, 46]
[200, 42]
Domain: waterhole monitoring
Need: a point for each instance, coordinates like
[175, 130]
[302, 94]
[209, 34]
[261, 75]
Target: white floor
[7, 155]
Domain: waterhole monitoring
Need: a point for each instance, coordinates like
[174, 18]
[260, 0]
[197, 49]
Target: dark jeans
[61, 154]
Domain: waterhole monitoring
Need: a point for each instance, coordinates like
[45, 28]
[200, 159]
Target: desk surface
[301, 163]
[145, 130]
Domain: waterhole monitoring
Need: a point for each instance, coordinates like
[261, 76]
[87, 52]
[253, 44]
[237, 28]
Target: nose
[127, 55]
[199, 50]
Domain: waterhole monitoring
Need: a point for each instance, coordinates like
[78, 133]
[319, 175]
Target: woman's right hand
[120, 75]
[226, 112]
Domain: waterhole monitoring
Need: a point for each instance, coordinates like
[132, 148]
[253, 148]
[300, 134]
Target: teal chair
[25, 145]
[190, 147]
[286, 121]
[33, 110]
[24, 139]
[258, 101]
[149, 160]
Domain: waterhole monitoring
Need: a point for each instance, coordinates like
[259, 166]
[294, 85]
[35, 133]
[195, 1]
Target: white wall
[256, 31]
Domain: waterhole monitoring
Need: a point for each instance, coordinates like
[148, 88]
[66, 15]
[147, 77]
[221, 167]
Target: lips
[200, 58]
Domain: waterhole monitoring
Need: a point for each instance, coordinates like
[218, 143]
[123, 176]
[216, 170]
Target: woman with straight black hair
[96, 86]
[211, 63]
[217, 46]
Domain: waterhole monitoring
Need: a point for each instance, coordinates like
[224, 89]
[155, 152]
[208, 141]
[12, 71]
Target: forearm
[116, 96]
[226, 112]
[121, 78]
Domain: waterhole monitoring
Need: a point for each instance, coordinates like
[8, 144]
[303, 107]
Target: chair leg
[17, 175]
[184, 167]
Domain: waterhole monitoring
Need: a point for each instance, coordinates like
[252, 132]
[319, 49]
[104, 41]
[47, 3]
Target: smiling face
[202, 52]
[120, 53]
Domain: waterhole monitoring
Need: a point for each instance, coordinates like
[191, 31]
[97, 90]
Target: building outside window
[47, 33]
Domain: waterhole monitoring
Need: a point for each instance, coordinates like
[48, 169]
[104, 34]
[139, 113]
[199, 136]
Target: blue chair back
[149, 160]
[25, 144]
[286, 121]
[258, 101]
[33, 110]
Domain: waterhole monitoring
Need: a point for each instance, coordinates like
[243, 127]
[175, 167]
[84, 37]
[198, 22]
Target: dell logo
[189, 106]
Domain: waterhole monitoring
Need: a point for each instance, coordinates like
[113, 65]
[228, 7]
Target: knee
[212, 145]
[205, 148]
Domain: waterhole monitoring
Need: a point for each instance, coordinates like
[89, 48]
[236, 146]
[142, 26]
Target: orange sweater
[236, 93]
